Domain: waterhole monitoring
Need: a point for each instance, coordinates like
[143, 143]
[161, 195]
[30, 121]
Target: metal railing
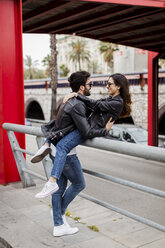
[26, 175]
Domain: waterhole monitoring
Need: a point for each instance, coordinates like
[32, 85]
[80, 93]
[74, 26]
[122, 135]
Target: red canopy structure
[136, 23]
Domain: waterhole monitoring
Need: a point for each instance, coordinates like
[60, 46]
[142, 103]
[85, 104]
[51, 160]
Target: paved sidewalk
[26, 222]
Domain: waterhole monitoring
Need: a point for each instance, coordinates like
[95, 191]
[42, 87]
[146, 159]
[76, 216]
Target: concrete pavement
[26, 222]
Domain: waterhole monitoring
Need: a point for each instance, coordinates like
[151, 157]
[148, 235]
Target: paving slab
[27, 222]
[155, 244]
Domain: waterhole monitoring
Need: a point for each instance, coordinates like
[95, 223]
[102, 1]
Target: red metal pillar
[153, 98]
[11, 83]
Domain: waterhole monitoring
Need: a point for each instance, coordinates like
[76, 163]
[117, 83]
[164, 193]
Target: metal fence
[26, 175]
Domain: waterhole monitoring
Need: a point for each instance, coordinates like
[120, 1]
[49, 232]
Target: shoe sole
[59, 235]
[40, 157]
[50, 193]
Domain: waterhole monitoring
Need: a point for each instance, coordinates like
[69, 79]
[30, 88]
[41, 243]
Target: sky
[37, 46]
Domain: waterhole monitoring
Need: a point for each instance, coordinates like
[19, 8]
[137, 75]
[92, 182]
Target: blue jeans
[61, 199]
[63, 147]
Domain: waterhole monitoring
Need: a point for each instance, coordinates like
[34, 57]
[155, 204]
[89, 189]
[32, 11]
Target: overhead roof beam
[62, 17]
[148, 43]
[132, 28]
[157, 47]
[25, 2]
[101, 15]
[149, 3]
[125, 19]
[51, 7]
[143, 35]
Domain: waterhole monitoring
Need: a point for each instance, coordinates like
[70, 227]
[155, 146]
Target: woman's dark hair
[121, 80]
[77, 79]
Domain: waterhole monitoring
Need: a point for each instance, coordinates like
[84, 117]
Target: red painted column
[11, 83]
[153, 98]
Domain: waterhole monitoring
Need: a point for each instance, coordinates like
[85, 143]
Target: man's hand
[71, 95]
[109, 124]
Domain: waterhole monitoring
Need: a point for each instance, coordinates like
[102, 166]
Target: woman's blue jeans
[63, 147]
[60, 200]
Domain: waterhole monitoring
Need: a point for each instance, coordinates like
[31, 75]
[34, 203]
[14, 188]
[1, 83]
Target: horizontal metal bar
[124, 212]
[23, 129]
[131, 149]
[127, 183]
[34, 174]
[23, 150]
[136, 150]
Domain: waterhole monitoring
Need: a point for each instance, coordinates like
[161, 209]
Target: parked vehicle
[128, 133]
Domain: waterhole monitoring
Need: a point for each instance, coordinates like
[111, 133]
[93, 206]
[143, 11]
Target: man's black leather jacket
[72, 115]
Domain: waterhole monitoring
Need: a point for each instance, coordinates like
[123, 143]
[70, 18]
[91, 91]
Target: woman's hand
[109, 124]
[71, 95]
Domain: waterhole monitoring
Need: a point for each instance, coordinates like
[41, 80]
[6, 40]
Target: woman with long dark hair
[117, 105]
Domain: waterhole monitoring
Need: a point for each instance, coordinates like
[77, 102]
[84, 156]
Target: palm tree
[94, 68]
[162, 63]
[79, 53]
[30, 64]
[107, 49]
[46, 62]
[53, 73]
[64, 70]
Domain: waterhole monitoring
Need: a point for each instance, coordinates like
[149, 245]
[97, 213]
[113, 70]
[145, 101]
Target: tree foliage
[107, 49]
[162, 63]
[30, 67]
[64, 70]
[46, 62]
[79, 52]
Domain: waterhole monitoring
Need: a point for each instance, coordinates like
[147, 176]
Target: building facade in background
[130, 60]
[126, 59]
[96, 64]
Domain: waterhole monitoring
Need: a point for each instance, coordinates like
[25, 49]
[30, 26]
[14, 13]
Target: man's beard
[86, 92]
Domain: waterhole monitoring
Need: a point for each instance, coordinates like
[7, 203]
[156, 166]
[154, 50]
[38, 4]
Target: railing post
[26, 179]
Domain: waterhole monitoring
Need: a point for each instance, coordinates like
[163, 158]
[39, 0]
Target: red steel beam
[11, 84]
[149, 3]
[153, 98]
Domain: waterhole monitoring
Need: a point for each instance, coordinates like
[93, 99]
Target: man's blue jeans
[60, 200]
[63, 147]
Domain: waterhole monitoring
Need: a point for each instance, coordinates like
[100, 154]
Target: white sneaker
[64, 220]
[64, 230]
[63, 217]
[42, 152]
[48, 189]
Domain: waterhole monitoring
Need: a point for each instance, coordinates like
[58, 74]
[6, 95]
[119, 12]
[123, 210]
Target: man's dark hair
[77, 79]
